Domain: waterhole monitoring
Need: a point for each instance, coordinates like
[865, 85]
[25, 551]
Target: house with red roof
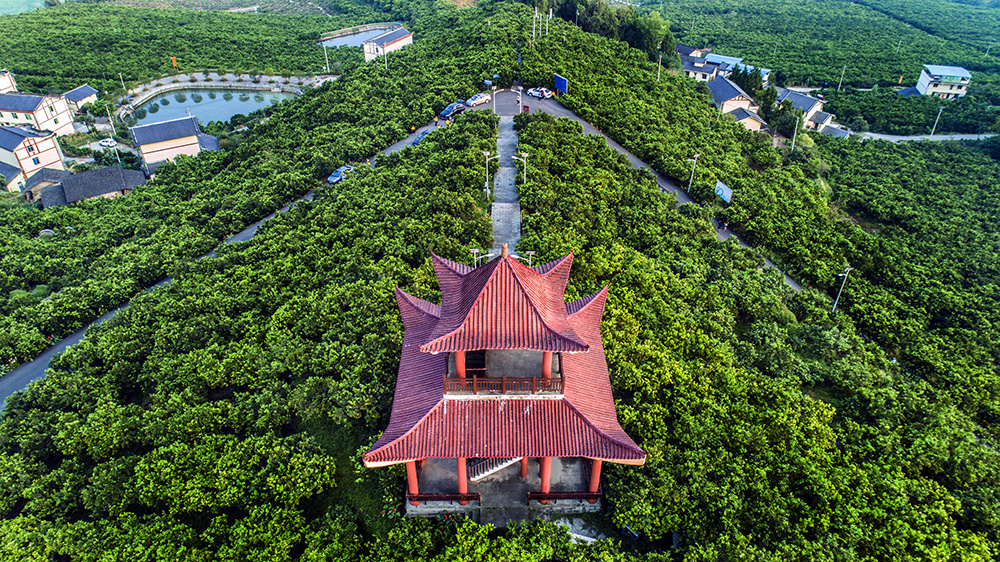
[503, 372]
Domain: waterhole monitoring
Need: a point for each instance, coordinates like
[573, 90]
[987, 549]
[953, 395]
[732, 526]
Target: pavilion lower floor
[516, 492]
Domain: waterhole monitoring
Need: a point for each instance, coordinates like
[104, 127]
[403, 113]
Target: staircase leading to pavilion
[484, 467]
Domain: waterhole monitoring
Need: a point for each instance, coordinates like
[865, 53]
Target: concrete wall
[45, 150]
[168, 150]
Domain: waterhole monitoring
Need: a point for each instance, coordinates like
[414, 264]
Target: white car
[478, 99]
[540, 93]
[110, 143]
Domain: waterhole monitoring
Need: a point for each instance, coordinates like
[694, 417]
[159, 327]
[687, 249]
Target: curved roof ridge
[630, 445]
[525, 282]
[581, 304]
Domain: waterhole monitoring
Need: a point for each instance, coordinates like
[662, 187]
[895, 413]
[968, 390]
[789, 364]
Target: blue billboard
[723, 191]
[561, 83]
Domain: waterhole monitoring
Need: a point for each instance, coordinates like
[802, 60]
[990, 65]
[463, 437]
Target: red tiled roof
[426, 424]
[503, 305]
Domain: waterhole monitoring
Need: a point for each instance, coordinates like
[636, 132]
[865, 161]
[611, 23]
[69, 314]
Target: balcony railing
[443, 498]
[503, 385]
[539, 496]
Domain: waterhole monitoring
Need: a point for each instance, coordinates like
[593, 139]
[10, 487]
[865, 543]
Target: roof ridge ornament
[503, 250]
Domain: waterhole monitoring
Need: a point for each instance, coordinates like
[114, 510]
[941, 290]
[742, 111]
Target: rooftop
[389, 36]
[80, 93]
[503, 305]
[16, 101]
[92, 183]
[955, 71]
[724, 89]
[12, 137]
[741, 113]
[8, 172]
[799, 100]
[46, 175]
[165, 131]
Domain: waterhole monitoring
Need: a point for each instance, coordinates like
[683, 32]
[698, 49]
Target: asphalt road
[504, 103]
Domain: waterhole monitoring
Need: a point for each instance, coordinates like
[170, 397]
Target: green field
[18, 6]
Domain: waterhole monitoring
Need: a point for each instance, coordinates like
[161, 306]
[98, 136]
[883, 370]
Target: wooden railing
[539, 496]
[502, 385]
[443, 498]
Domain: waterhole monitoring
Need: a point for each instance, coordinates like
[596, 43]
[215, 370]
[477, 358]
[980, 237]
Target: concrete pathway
[506, 209]
[505, 103]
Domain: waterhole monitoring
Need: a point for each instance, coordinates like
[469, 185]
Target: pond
[18, 6]
[206, 104]
[354, 40]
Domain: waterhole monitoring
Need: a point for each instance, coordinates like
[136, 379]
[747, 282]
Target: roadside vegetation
[222, 417]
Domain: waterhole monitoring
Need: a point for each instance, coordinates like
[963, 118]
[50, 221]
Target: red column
[524, 467]
[546, 466]
[546, 364]
[595, 477]
[463, 478]
[460, 363]
[411, 480]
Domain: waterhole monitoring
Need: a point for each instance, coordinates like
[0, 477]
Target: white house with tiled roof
[48, 113]
[27, 150]
[387, 42]
[946, 82]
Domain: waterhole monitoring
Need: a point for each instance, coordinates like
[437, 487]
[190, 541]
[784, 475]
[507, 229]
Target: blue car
[419, 138]
[452, 110]
[339, 174]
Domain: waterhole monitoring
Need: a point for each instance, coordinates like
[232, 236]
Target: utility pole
[578, 19]
[934, 128]
[693, 166]
[775, 49]
[842, 283]
[327, 57]
[111, 120]
[841, 78]
[659, 65]
[547, 23]
[898, 46]
[533, 18]
[795, 133]
[988, 50]
[124, 89]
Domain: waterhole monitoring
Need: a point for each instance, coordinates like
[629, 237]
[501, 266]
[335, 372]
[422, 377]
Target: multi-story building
[28, 150]
[47, 113]
[945, 82]
[388, 42]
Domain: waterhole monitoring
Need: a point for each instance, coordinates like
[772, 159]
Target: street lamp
[486, 184]
[842, 283]
[519, 88]
[690, 181]
[525, 160]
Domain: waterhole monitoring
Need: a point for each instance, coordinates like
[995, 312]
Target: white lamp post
[486, 184]
[693, 166]
[525, 160]
[842, 283]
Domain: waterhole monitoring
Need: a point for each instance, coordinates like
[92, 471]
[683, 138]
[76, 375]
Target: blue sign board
[488, 82]
[561, 83]
[496, 76]
[723, 191]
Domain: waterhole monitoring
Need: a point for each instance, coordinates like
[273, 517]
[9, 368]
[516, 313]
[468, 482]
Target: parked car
[540, 93]
[478, 99]
[339, 174]
[453, 109]
[419, 138]
[110, 143]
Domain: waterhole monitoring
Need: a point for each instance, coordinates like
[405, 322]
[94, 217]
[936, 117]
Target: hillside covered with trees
[223, 416]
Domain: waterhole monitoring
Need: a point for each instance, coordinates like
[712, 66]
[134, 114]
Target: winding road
[505, 104]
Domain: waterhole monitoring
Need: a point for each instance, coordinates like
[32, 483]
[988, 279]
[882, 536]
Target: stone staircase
[484, 467]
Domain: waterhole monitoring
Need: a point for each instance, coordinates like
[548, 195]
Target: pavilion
[503, 371]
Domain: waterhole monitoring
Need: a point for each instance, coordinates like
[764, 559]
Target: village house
[808, 105]
[93, 184]
[49, 113]
[27, 150]
[161, 142]
[7, 83]
[79, 97]
[387, 42]
[36, 184]
[503, 401]
[945, 82]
